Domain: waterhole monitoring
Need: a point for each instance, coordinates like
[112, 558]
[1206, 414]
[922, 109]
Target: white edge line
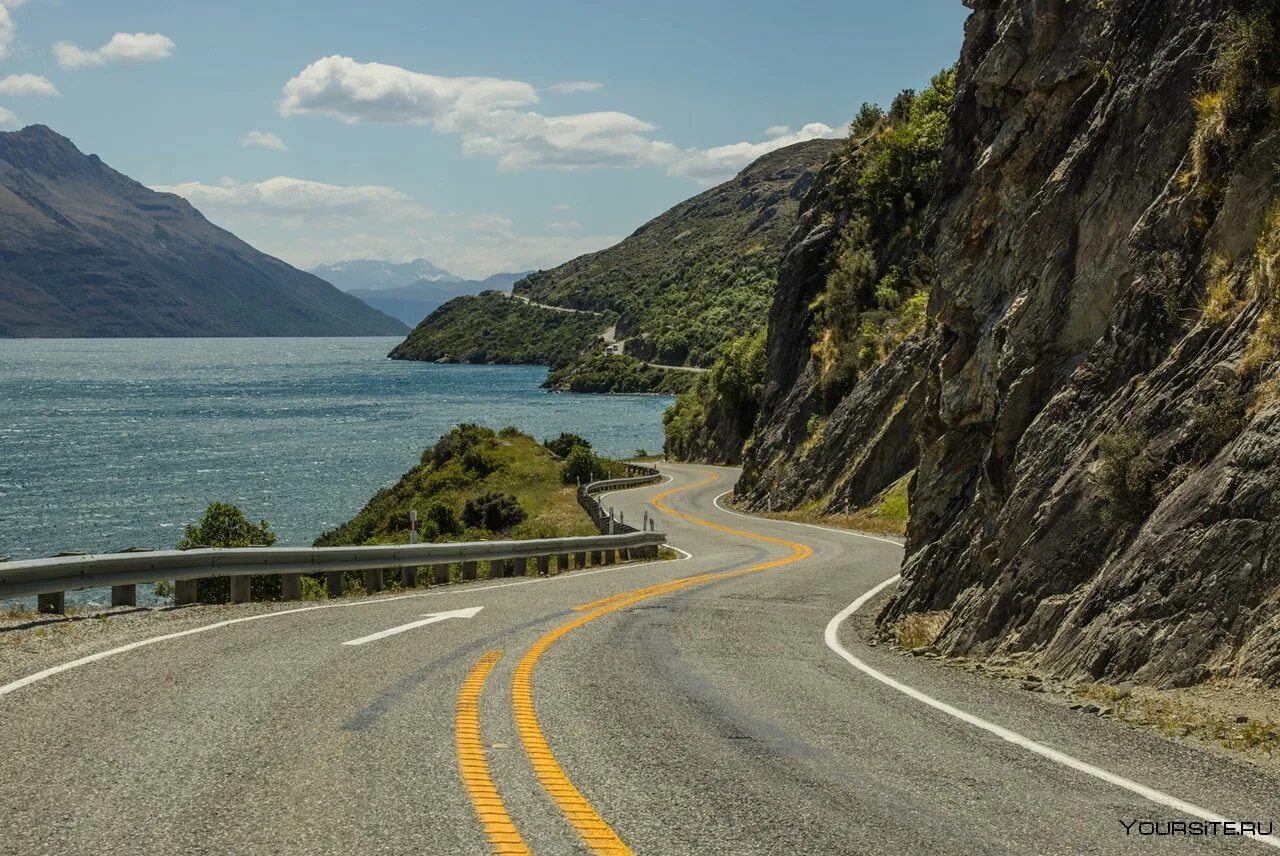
[167, 637]
[832, 638]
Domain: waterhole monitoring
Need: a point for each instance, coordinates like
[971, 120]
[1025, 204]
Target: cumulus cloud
[28, 84]
[493, 119]
[719, 161]
[294, 195]
[350, 91]
[8, 31]
[308, 223]
[123, 47]
[777, 130]
[570, 86]
[264, 140]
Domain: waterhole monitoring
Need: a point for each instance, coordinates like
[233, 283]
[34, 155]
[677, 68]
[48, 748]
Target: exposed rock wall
[1100, 470]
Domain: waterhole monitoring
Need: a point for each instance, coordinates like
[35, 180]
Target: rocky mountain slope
[1093, 406]
[86, 251]
[680, 288]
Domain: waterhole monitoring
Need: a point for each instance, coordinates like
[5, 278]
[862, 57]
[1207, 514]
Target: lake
[109, 443]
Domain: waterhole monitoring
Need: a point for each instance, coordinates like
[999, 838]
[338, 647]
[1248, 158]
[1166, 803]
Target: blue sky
[395, 129]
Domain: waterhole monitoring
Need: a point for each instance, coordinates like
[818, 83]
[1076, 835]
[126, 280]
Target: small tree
[224, 525]
[580, 466]
[563, 445]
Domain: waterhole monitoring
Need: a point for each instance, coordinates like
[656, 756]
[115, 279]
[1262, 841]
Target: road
[700, 706]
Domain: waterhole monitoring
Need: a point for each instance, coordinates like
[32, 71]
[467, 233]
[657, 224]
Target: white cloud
[264, 140]
[7, 119]
[490, 116]
[720, 161]
[571, 86]
[294, 195]
[28, 84]
[308, 223]
[350, 91]
[8, 32]
[123, 47]
[777, 130]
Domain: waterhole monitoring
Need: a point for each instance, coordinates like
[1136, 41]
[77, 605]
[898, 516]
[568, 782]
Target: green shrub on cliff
[710, 421]
[871, 303]
[621, 375]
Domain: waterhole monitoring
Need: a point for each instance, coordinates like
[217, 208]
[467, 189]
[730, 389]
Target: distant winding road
[726, 703]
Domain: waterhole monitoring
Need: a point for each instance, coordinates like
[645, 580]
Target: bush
[458, 441]
[478, 463]
[496, 512]
[583, 466]
[441, 515]
[1126, 477]
[566, 443]
[224, 525]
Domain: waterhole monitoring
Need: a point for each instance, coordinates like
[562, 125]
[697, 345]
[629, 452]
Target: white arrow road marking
[431, 618]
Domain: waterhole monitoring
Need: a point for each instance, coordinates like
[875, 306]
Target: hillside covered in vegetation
[477, 484]
[494, 328]
[678, 289]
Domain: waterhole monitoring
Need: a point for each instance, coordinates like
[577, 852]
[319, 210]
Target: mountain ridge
[87, 251]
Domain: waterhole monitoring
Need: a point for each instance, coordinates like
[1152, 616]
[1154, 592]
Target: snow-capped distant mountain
[376, 275]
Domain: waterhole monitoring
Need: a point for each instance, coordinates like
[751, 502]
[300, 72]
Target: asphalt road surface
[727, 703]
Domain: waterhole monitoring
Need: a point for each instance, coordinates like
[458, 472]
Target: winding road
[725, 703]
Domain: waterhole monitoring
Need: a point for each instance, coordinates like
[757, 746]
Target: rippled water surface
[107, 444]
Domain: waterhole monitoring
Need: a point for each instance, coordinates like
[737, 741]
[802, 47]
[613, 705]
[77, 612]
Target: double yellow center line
[594, 830]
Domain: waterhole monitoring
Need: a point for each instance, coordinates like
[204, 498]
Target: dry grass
[920, 629]
[1264, 285]
[887, 515]
[1220, 300]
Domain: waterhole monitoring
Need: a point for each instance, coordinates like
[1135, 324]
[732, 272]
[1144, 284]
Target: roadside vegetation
[225, 525]
[886, 515]
[699, 425]
[619, 375]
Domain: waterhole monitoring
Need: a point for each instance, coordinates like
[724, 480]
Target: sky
[485, 136]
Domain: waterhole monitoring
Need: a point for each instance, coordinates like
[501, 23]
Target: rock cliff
[1094, 399]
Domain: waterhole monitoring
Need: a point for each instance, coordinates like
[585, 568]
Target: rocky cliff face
[86, 251]
[1099, 476]
[1098, 405]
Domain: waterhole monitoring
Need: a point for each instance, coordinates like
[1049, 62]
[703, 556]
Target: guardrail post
[124, 595]
[597, 558]
[562, 563]
[468, 570]
[610, 557]
[644, 524]
[544, 566]
[440, 574]
[373, 581]
[333, 581]
[53, 603]
[290, 586]
[241, 589]
[184, 592]
[409, 577]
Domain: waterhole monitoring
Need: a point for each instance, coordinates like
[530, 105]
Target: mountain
[1090, 408]
[87, 251]
[680, 288]
[374, 275]
[412, 303]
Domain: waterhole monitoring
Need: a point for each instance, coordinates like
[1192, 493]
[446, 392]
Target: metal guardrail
[50, 579]
[604, 518]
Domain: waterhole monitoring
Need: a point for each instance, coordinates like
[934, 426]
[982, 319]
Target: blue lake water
[107, 444]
